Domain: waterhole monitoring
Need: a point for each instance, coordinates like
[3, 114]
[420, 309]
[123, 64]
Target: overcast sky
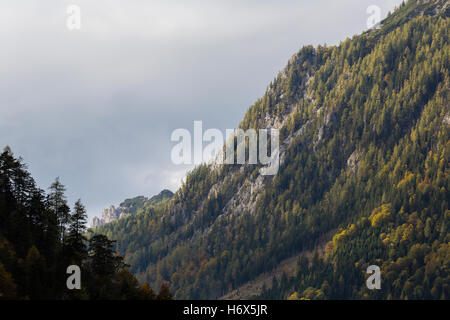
[97, 106]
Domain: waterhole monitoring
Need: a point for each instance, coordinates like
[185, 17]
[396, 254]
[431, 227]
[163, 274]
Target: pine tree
[77, 228]
[57, 202]
[102, 259]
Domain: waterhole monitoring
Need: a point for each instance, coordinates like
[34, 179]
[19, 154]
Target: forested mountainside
[364, 174]
[40, 237]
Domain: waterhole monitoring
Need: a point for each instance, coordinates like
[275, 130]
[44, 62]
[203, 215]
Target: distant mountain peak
[130, 206]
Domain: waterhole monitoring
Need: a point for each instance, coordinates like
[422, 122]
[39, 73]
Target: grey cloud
[97, 106]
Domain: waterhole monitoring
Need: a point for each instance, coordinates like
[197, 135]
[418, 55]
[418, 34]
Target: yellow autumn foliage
[380, 215]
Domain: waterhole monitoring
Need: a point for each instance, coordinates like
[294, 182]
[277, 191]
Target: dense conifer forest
[40, 237]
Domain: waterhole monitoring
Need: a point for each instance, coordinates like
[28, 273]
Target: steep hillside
[364, 169]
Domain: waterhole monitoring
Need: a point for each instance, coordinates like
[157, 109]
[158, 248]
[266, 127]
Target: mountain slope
[364, 129]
